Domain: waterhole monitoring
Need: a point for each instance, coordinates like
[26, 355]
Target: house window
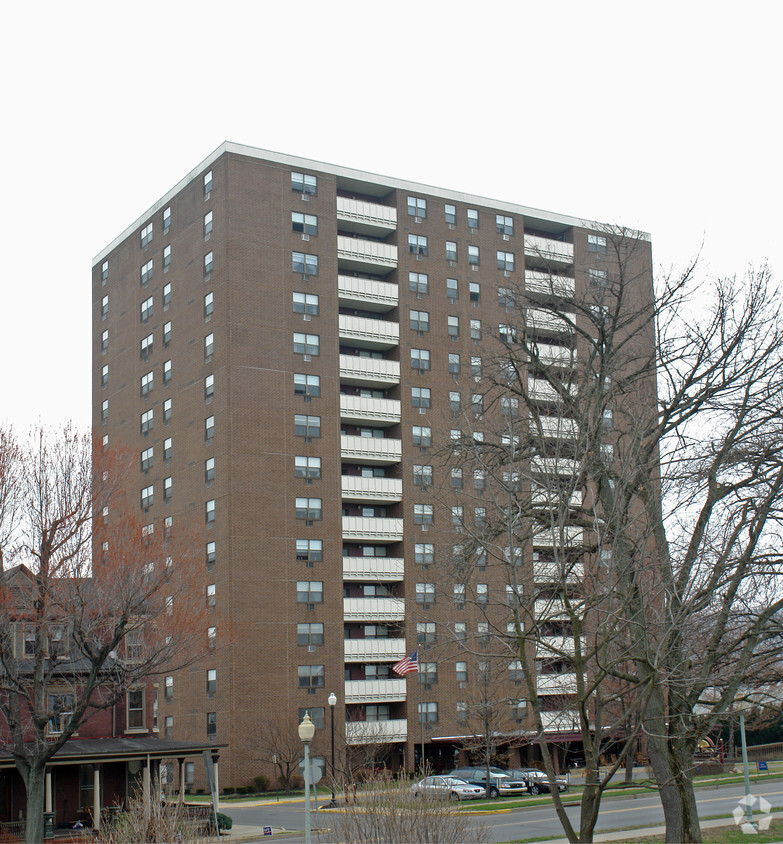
[418, 282]
[596, 243]
[479, 479]
[417, 207]
[146, 272]
[302, 183]
[420, 359]
[209, 304]
[135, 709]
[305, 303]
[422, 475]
[456, 478]
[428, 713]
[452, 323]
[309, 634]
[307, 426]
[167, 219]
[480, 517]
[105, 306]
[506, 261]
[209, 386]
[475, 329]
[473, 218]
[209, 470]
[598, 279]
[308, 508]
[428, 672]
[166, 333]
[422, 436]
[105, 410]
[302, 262]
[166, 258]
[105, 375]
[482, 593]
[474, 291]
[457, 518]
[460, 631]
[309, 550]
[168, 488]
[211, 552]
[211, 594]
[477, 404]
[476, 367]
[167, 448]
[450, 213]
[147, 421]
[104, 271]
[421, 397]
[417, 244]
[207, 184]
[459, 593]
[168, 731]
[211, 637]
[504, 225]
[211, 681]
[147, 382]
[304, 223]
[452, 288]
[506, 297]
[422, 514]
[425, 632]
[209, 428]
[145, 346]
[451, 250]
[462, 672]
[207, 224]
[307, 385]
[167, 371]
[307, 467]
[60, 709]
[473, 255]
[306, 344]
[211, 723]
[208, 263]
[146, 235]
[454, 364]
[317, 716]
[167, 411]
[424, 553]
[420, 321]
[105, 341]
[168, 686]
[310, 676]
[425, 593]
[209, 511]
[515, 670]
[147, 459]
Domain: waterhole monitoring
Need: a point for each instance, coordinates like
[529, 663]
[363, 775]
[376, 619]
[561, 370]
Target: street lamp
[332, 701]
[306, 733]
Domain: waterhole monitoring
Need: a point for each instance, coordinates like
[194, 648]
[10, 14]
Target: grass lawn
[729, 835]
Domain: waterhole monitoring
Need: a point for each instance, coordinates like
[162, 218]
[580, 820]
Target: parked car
[500, 782]
[447, 788]
[537, 781]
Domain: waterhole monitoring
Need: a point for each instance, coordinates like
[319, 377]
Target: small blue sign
[267, 830]
[763, 766]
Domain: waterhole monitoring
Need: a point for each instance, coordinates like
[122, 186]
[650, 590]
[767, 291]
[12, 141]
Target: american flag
[407, 664]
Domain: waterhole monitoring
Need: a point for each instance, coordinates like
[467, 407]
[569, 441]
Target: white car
[446, 788]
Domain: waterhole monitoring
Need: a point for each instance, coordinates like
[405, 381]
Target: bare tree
[77, 629]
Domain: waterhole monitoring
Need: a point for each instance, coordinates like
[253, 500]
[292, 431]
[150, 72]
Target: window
[607, 452]
[105, 341]
[209, 469]
[302, 262]
[207, 184]
[105, 306]
[422, 436]
[308, 508]
[146, 272]
[451, 250]
[135, 709]
[455, 401]
[457, 516]
[473, 218]
[515, 671]
[211, 723]
[307, 467]
[147, 421]
[167, 411]
[307, 385]
[425, 632]
[422, 514]
[456, 478]
[211, 637]
[504, 225]
[105, 410]
[209, 304]
[145, 346]
[424, 553]
[304, 223]
[596, 243]
[459, 594]
[474, 291]
[460, 631]
[307, 426]
[477, 404]
[209, 386]
[608, 417]
[506, 298]
[506, 261]
[309, 634]
[454, 364]
[309, 550]
[428, 713]
[428, 672]
[452, 288]
[147, 382]
[168, 488]
[166, 257]
[417, 207]
[168, 686]
[450, 212]
[211, 681]
[514, 595]
[167, 371]
[305, 303]
[479, 479]
[417, 244]
[421, 397]
[211, 554]
[425, 593]
[306, 344]
[105, 375]
[207, 224]
[166, 333]
[473, 255]
[418, 282]
[311, 676]
[420, 321]
[208, 265]
[420, 359]
[302, 183]
[104, 271]
[598, 279]
[147, 459]
[462, 672]
[167, 219]
[209, 511]
[167, 449]
[452, 323]
[475, 329]
[422, 475]
[147, 496]
[146, 235]
[507, 334]
[211, 594]
[482, 593]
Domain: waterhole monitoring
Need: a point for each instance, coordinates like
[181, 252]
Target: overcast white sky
[662, 116]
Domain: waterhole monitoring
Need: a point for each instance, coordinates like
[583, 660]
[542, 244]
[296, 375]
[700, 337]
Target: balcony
[548, 284]
[355, 253]
[562, 467]
[552, 427]
[374, 732]
[566, 721]
[547, 252]
[374, 650]
[556, 684]
[541, 390]
[555, 572]
[372, 529]
[362, 217]
[550, 355]
[542, 322]
[561, 537]
[374, 691]
[371, 489]
[373, 609]
[380, 412]
[369, 372]
[367, 294]
[549, 647]
[551, 608]
[371, 450]
[373, 568]
[369, 333]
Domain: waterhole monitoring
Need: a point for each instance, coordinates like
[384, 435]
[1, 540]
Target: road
[532, 822]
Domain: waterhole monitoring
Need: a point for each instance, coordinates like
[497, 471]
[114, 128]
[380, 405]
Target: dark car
[500, 781]
[537, 781]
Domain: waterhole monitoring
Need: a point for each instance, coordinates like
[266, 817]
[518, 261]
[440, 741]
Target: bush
[261, 783]
[229, 789]
[224, 821]
[297, 782]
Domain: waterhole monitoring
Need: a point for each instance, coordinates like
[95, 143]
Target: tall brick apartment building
[287, 345]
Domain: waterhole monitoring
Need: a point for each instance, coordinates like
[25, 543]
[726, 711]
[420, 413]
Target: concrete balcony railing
[374, 732]
[370, 691]
[373, 609]
[374, 650]
[549, 647]
[555, 572]
[369, 333]
[549, 284]
[556, 684]
[367, 217]
[359, 254]
[371, 489]
[367, 293]
[550, 355]
[557, 537]
[370, 450]
[565, 721]
[554, 427]
[543, 322]
[372, 529]
[373, 568]
[369, 372]
[553, 608]
[380, 412]
[541, 390]
[551, 467]
[547, 251]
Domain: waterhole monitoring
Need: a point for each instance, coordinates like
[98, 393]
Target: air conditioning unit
[506, 237]
[307, 358]
[311, 649]
[422, 410]
[306, 318]
[305, 197]
[463, 685]
[305, 237]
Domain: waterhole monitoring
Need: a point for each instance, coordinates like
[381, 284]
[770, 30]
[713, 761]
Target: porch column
[146, 788]
[181, 795]
[96, 791]
[48, 802]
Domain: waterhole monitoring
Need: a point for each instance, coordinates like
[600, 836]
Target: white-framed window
[167, 449]
[422, 514]
[309, 550]
[417, 244]
[211, 554]
[211, 681]
[421, 397]
[450, 214]
[105, 410]
[461, 669]
[426, 633]
[209, 386]
[105, 306]
[506, 261]
[167, 328]
[307, 467]
[168, 488]
[307, 385]
[475, 329]
[209, 469]
[460, 631]
[167, 219]
[166, 257]
[168, 687]
[425, 593]
[451, 250]
[304, 223]
[307, 426]
[146, 272]
[147, 382]
[310, 676]
[422, 435]
[304, 183]
[417, 207]
[418, 282]
[504, 224]
[309, 592]
[422, 475]
[209, 511]
[452, 326]
[473, 255]
[167, 370]
[309, 509]
[146, 235]
[305, 303]
[482, 594]
[207, 224]
[424, 553]
[420, 359]
[456, 477]
[211, 594]
[452, 288]
[428, 713]
[454, 363]
[209, 304]
[145, 345]
[104, 271]
[147, 420]
[167, 408]
[420, 320]
[473, 218]
[208, 263]
[474, 291]
[207, 184]
[303, 262]
[596, 243]
[147, 496]
[105, 340]
[310, 634]
[147, 459]
[209, 428]
[306, 344]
